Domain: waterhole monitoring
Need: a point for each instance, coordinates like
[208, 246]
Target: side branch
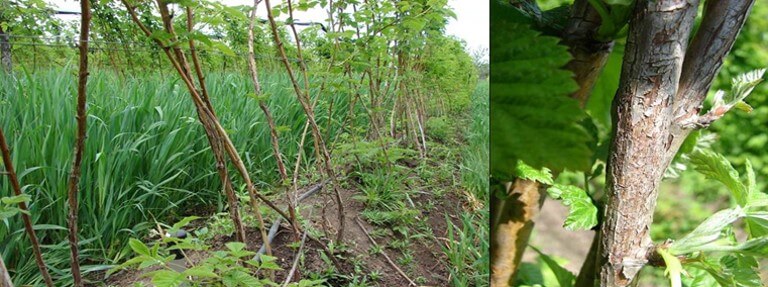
[721, 24]
[589, 53]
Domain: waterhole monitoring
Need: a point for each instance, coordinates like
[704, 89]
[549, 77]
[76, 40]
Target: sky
[470, 25]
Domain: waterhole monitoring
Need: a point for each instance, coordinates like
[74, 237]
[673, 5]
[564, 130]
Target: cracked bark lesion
[662, 87]
[643, 109]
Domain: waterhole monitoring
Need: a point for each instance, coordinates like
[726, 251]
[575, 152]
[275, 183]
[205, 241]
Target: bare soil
[429, 266]
[550, 237]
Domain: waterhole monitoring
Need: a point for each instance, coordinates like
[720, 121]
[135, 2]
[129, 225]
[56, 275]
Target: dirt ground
[429, 268]
[550, 237]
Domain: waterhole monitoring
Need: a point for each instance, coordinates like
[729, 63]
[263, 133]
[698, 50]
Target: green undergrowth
[146, 156]
[147, 160]
[470, 266]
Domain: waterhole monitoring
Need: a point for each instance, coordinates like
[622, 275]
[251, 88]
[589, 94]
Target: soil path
[550, 237]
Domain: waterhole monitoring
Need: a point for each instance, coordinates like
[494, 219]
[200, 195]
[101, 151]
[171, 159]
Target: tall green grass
[468, 244]
[146, 156]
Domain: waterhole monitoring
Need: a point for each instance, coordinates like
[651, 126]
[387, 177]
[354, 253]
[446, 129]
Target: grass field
[146, 155]
[147, 159]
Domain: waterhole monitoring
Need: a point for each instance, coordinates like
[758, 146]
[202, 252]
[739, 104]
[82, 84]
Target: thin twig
[276, 224]
[298, 255]
[391, 263]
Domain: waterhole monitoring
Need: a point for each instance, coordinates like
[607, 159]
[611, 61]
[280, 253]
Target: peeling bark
[663, 85]
[642, 141]
[721, 24]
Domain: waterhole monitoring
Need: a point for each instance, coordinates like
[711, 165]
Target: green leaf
[757, 224]
[731, 270]
[743, 269]
[139, 247]
[743, 86]
[751, 184]
[757, 199]
[619, 2]
[235, 246]
[564, 277]
[699, 278]
[16, 199]
[757, 247]
[242, 253]
[707, 232]
[741, 105]
[268, 262]
[201, 271]
[240, 278]
[132, 261]
[48, 227]
[8, 212]
[583, 213]
[309, 283]
[183, 222]
[533, 119]
[222, 48]
[715, 166]
[525, 171]
[167, 278]
[161, 35]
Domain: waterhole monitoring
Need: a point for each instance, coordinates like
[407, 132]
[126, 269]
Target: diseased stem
[273, 137]
[262, 104]
[272, 129]
[311, 119]
[207, 117]
[642, 141]
[586, 277]
[589, 53]
[6, 153]
[74, 177]
[216, 147]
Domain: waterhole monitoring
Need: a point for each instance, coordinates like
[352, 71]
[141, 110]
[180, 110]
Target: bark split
[663, 84]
